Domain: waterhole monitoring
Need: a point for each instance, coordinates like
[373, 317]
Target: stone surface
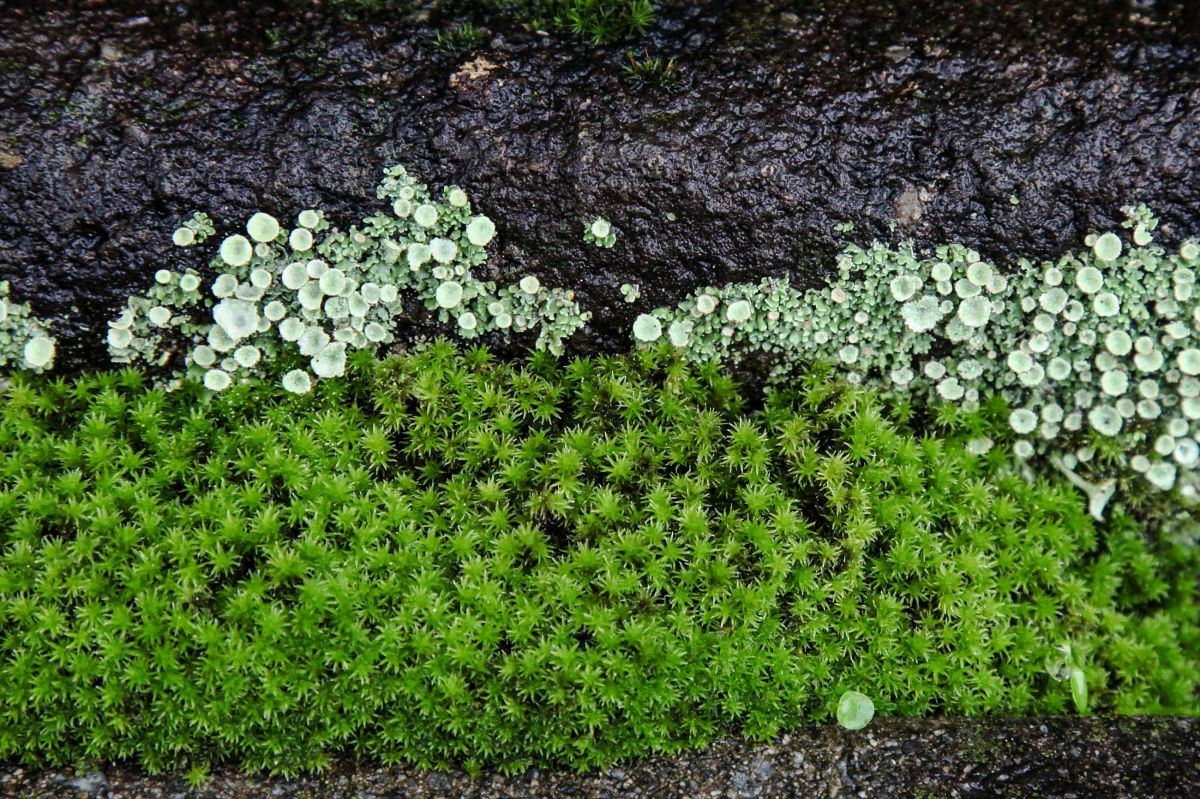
[119, 119]
[1061, 757]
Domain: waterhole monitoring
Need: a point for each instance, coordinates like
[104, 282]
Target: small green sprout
[652, 71]
[458, 39]
[630, 292]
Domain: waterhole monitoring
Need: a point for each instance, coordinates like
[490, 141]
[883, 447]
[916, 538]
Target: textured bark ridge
[119, 119]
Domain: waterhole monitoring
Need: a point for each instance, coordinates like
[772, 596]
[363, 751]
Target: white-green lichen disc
[922, 315]
[204, 356]
[979, 273]
[295, 275]
[375, 332]
[119, 337]
[183, 237]
[1187, 453]
[300, 239]
[739, 311]
[975, 311]
[1189, 361]
[467, 321]
[291, 329]
[1161, 475]
[309, 218]
[275, 310]
[425, 215]
[1118, 342]
[158, 315]
[330, 361]
[980, 446]
[449, 294]
[189, 283]
[480, 231]
[247, 355]
[1053, 300]
[680, 332]
[332, 282]
[418, 255]
[1114, 383]
[950, 389]
[1089, 280]
[217, 380]
[647, 328]
[260, 278]
[297, 381]
[443, 250]
[1022, 421]
[1058, 368]
[337, 308]
[903, 287]
[1107, 247]
[706, 304]
[237, 318]
[1105, 420]
[855, 710]
[236, 250]
[530, 284]
[39, 352]
[263, 227]
[310, 296]
[600, 228]
[1106, 304]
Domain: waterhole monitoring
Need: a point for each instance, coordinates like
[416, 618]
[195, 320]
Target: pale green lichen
[599, 232]
[324, 293]
[194, 231]
[1102, 342]
[25, 341]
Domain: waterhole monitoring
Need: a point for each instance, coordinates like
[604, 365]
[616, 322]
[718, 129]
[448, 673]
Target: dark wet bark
[119, 119]
[1062, 757]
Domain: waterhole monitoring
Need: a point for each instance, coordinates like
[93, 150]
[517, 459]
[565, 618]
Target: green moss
[449, 560]
[598, 21]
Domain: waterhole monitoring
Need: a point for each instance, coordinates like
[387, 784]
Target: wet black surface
[1071, 758]
[119, 119]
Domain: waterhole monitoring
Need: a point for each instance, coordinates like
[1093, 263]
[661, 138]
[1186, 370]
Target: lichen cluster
[1097, 350]
[25, 342]
[322, 293]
